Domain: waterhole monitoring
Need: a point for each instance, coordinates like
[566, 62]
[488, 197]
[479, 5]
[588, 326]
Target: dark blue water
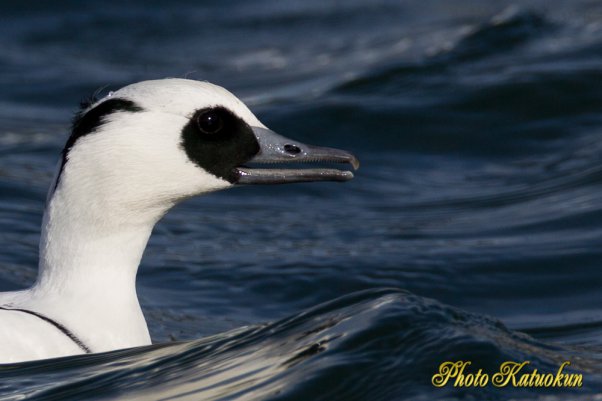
[473, 230]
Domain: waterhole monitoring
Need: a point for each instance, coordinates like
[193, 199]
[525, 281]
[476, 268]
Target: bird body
[132, 156]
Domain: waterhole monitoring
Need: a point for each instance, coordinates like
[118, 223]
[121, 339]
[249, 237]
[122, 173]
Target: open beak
[276, 149]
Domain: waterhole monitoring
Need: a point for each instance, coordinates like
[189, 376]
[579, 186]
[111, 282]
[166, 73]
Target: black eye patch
[218, 141]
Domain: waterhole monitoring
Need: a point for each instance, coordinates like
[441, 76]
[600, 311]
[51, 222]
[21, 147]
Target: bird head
[156, 142]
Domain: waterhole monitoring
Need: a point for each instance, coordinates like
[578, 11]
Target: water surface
[472, 230]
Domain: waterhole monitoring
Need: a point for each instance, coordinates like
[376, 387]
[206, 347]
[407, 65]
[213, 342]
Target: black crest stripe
[59, 326]
[86, 122]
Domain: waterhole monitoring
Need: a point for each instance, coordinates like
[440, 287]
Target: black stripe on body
[56, 324]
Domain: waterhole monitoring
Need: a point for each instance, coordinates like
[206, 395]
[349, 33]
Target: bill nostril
[292, 149]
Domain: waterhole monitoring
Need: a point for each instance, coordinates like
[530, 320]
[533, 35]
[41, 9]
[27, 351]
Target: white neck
[79, 254]
[89, 257]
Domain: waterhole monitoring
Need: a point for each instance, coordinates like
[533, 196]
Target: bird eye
[210, 122]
